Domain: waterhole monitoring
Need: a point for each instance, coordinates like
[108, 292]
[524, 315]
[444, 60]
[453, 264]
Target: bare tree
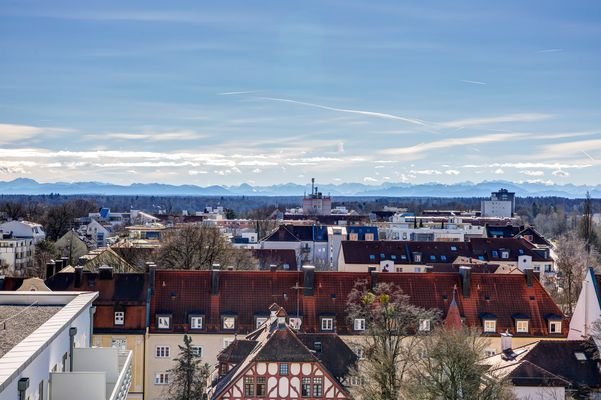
[389, 344]
[199, 247]
[572, 261]
[449, 368]
[44, 252]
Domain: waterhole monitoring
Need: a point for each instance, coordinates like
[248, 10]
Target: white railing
[125, 376]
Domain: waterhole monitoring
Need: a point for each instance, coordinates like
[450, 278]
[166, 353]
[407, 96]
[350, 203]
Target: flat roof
[19, 321]
[65, 307]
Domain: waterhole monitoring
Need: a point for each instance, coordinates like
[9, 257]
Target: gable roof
[247, 294]
[296, 233]
[275, 342]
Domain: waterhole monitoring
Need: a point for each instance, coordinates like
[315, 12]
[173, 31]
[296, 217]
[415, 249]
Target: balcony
[98, 374]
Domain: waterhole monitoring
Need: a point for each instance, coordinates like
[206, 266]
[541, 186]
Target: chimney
[105, 272]
[78, 276]
[214, 281]
[309, 279]
[230, 267]
[50, 266]
[65, 261]
[1, 282]
[152, 270]
[529, 272]
[466, 280]
[371, 269]
[506, 341]
[374, 279]
[58, 266]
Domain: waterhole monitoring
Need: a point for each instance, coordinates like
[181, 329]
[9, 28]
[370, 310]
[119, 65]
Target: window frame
[161, 378]
[249, 386]
[284, 369]
[555, 323]
[119, 318]
[261, 382]
[522, 322]
[197, 317]
[487, 329]
[224, 318]
[324, 323]
[166, 317]
[425, 325]
[162, 351]
[359, 324]
[197, 350]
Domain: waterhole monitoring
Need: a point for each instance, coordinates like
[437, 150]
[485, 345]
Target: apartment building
[119, 320]
[45, 351]
[216, 307]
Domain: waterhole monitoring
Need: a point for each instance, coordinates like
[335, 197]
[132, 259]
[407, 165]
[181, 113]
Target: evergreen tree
[188, 379]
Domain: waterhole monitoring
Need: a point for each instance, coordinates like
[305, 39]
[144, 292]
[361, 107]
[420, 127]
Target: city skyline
[266, 93]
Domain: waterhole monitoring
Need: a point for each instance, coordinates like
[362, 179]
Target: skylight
[580, 356]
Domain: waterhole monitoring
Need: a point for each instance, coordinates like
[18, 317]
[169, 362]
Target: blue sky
[269, 92]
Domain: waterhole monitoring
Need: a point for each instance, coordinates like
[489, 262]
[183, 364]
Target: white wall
[587, 310]
[79, 385]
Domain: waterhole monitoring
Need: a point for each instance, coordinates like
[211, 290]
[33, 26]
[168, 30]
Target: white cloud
[561, 173]
[451, 142]
[369, 179]
[426, 172]
[499, 171]
[526, 165]
[257, 171]
[156, 136]
[194, 172]
[532, 173]
[468, 122]
[12, 133]
[452, 172]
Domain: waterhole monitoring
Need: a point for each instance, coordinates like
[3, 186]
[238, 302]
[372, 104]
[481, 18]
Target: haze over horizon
[267, 92]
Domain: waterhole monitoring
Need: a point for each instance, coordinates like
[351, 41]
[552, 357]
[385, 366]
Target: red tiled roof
[124, 292]
[246, 294]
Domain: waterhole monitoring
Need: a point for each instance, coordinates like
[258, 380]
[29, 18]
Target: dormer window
[359, 324]
[490, 325]
[521, 326]
[260, 321]
[228, 322]
[504, 254]
[327, 324]
[424, 325]
[295, 322]
[196, 321]
[417, 257]
[164, 321]
[119, 317]
[554, 326]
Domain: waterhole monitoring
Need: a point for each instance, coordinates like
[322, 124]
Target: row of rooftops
[409, 252]
[244, 296]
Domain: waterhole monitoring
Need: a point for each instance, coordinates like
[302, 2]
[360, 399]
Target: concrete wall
[135, 343]
[78, 385]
